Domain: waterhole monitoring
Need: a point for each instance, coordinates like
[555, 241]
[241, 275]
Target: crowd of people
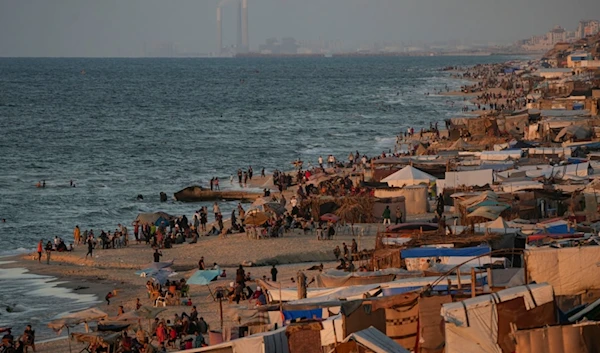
[20, 344]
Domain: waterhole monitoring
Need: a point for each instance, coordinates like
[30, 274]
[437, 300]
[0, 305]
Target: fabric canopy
[203, 277]
[442, 252]
[489, 212]
[408, 176]
[152, 218]
[102, 338]
[76, 318]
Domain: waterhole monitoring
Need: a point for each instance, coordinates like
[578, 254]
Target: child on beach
[108, 297]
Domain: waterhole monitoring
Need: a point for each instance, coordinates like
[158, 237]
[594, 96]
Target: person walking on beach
[90, 244]
[212, 180]
[40, 248]
[274, 274]
[386, 215]
[217, 184]
[250, 172]
[157, 254]
[216, 210]
[48, 251]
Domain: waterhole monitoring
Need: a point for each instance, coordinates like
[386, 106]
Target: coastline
[114, 269]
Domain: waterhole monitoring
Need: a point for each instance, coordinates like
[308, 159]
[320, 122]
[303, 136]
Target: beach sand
[113, 269]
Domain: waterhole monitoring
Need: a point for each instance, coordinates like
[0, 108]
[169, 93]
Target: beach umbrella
[274, 207]
[330, 217]
[256, 218]
[203, 277]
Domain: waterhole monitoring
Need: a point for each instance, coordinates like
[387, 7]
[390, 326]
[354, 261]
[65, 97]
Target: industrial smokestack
[219, 32]
[239, 28]
[245, 43]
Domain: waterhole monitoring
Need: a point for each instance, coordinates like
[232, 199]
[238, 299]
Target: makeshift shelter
[482, 324]
[108, 340]
[469, 178]
[76, 318]
[155, 218]
[488, 212]
[570, 271]
[408, 176]
[267, 342]
[575, 132]
[368, 340]
[460, 145]
[412, 200]
[581, 338]
[431, 324]
[337, 278]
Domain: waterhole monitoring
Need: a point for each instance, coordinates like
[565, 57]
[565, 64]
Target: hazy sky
[120, 27]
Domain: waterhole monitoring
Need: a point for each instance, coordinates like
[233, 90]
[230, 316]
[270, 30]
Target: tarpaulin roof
[488, 212]
[440, 252]
[409, 175]
[203, 277]
[375, 340]
[151, 218]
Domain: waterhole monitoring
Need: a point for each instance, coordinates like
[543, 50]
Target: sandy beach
[113, 269]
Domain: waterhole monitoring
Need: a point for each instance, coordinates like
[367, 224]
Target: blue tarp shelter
[203, 277]
[444, 252]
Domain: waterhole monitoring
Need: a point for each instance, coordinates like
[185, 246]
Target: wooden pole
[221, 312]
[459, 281]
[489, 278]
[473, 282]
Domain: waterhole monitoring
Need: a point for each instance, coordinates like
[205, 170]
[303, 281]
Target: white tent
[408, 176]
[471, 326]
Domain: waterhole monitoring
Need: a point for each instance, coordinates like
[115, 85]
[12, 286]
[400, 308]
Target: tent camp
[370, 340]
[267, 342]
[408, 176]
[483, 324]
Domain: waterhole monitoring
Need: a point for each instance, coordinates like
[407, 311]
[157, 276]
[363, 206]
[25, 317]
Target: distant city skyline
[134, 27]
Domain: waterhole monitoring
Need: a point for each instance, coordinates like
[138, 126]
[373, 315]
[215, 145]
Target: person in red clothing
[126, 343]
[40, 248]
[161, 333]
[172, 337]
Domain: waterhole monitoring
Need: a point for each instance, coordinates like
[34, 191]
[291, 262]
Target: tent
[582, 337]
[571, 271]
[256, 218]
[477, 325]
[372, 339]
[460, 145]
[576, 132]
[489, 212]
[408, 176]
[152, 218]
[499, 223]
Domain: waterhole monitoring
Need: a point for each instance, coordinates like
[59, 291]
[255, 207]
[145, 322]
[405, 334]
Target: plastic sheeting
[446, 252]
[469, 178]
[570, 271]
[408, 176]
[203, 277]
[472, 325]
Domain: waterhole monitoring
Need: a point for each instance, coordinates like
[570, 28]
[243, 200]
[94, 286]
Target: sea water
[141, 126]
[29, 299]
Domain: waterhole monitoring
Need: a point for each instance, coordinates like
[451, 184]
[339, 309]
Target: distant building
[587, 28]
[557, 35]
[273, 46]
